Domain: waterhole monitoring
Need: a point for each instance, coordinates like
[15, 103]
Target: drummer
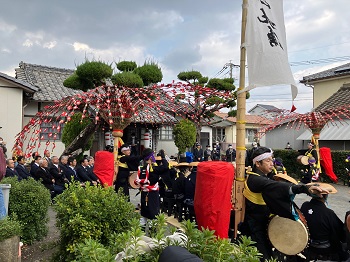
[265, 196]
[147, 179]
[326, 229]
[126, 164]
[310, 172]
[311, 151]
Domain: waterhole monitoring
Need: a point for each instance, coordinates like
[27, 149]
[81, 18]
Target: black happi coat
[122, 181]
[150, 204]
[323, 223]
[275, 194]
[278, 201]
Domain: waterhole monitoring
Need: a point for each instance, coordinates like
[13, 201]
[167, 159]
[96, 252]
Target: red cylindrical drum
[212, 200]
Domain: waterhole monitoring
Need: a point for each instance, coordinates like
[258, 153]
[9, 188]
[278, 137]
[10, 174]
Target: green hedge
[29, 201]
[90, 212]
[293, 167]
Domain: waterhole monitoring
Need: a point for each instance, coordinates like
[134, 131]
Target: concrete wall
[278, 138]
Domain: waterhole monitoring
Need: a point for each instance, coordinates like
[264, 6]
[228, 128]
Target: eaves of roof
[250, 119]
[24, 85]
[327, 74]
[48, 80]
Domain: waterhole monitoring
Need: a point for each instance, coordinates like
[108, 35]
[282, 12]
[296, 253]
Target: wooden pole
[117, 136]
[238, 198]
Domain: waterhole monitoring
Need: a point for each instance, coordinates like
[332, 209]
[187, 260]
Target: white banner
[266, 46]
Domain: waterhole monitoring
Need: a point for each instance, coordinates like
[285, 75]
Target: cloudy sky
[179, 35]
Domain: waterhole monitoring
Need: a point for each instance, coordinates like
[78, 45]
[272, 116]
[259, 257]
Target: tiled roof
[250, 119]
[26, 86]
[266, 107]
[339, 98]
[49, 81]
[343, 70]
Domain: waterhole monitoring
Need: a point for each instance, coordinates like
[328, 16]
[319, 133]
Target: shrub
[203, 243]
[29, 200]
[127, 79]
[184, 135]
[150, 73]
[293, 167]
[10, 226]
[90, 212]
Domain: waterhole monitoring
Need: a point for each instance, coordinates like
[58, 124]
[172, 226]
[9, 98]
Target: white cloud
[81, 47]
[50, 45]
[6, 27]
[27, 43]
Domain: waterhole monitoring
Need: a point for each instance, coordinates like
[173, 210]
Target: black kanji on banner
[271, 35]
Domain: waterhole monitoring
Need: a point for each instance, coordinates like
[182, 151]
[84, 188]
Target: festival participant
[197, 152]
[83, 173]
[126, 164]
[265, 196]
[21, 169]
[311, 151]
[57, 173]
[207, 153]
[10, 169]
[310, 172]
[147, 179]
[249, 154]
[34, 164]
[230, 154]
[179, 189]
[326, 229]
[215, 153]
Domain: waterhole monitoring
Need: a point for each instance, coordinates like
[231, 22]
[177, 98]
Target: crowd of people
[54, 172]
[169, 186]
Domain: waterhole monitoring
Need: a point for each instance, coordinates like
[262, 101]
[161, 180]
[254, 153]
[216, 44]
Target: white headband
[125, 148]
[262, 156]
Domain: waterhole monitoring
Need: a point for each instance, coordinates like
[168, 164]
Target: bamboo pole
[238, 198]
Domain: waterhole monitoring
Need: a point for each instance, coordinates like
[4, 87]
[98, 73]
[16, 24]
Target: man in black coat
[197, 153]
[43, 174]
[83, 173]
[10, 169]
[34, 165]
[57, 173]
[21, 169]
[326, 230]
[230, 154]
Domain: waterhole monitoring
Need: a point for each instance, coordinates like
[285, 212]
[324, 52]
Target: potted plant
[9, 239]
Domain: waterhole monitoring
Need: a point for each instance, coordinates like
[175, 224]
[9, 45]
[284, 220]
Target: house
[15, 97]
[327, 82]
[267, 111]
[226, 129]
[331, 88]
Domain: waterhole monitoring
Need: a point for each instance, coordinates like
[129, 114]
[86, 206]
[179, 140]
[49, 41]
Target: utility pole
[231, 65]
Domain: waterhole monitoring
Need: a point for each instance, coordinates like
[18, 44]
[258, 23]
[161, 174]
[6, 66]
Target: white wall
[10, 114]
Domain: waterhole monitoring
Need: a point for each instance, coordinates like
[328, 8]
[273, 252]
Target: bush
[203, 243]
[90, 212]
[293, 167]
[10, 227]
[127, 79]
[29, 200]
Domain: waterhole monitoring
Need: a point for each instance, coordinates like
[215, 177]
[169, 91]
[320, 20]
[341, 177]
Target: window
[250, 134]
[219, 135]
[50, 131]
[166, 133]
